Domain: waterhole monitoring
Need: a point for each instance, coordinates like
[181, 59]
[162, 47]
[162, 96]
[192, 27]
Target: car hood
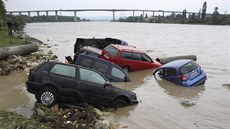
[122, 91]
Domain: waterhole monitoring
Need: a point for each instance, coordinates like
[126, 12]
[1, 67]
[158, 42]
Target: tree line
[201, 18]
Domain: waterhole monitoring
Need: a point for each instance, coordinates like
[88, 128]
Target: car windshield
[188, 67]
[112, 50]
[146, 58]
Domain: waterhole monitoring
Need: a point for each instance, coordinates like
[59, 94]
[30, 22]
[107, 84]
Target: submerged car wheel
[47, 97]
[119, 103]
[126, 69]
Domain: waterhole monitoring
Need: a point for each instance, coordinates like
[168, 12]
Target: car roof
[127, 48]
[176, 63]
[74, 65]
[99, 59]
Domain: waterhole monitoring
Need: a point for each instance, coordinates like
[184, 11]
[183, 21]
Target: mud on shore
[64, 117]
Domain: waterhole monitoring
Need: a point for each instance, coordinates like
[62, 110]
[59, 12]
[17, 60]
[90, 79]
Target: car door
[138, 63]
[92, 88]
[169, 74]
[125, 60]
[103, 68]
[65, 78]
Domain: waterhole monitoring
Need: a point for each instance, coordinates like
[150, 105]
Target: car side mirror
[107, 84]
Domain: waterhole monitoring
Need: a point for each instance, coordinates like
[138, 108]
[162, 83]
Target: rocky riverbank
[62, 117]
[26, 62]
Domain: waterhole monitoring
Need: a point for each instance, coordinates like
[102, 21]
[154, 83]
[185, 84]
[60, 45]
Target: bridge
[93, 10]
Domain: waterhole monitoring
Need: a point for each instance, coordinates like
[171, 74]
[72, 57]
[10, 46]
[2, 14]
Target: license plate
[193, 74]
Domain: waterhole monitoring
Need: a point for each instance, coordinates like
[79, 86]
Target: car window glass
[137, 56]
[91, 76]
[126, 55]
[117, 73]
[85, 62]
[112, 50]
[65, 70]
[101, 67]
[169, 72]
[188, 67]
[146, 58]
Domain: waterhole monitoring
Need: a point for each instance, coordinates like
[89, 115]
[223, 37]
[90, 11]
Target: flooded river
[159, 105]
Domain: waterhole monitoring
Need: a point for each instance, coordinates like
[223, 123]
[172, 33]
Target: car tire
[126, 69]
[119, 103]
[47, 97]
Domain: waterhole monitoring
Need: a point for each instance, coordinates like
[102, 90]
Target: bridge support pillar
[47, 13]
[163, 13]
[56, 15]
[29, 14]
[113, 16]
[37, 13]
[20, 13]
[133, 15]
[173, 15]
[75, 16]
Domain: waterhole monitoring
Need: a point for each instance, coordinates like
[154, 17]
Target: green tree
[2, 12]
[216, 17]
[204, 10]
[18, 22]
[2, 9]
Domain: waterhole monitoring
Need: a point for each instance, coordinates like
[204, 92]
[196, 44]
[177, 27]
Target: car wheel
[119, 103]
[47, 97]
[126, 69]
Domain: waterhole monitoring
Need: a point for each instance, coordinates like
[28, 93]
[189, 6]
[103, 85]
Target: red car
[128, 57]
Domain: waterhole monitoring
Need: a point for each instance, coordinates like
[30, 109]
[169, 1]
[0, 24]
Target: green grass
[10, 120]
[6, 40]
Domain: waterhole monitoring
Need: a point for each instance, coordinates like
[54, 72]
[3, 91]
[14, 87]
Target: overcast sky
[170, 5]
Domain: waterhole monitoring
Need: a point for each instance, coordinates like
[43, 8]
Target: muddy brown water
[159, 105]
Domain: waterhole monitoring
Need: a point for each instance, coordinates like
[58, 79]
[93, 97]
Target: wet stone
[102, 124]
[187, 103]
[40, 112]
[50, 52]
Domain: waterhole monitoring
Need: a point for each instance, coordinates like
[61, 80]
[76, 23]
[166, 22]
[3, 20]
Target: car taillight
[183, 78]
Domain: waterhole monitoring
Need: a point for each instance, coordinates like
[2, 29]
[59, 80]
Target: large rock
[23, 49]
[102, 124]
[4, 53]
[17, 50]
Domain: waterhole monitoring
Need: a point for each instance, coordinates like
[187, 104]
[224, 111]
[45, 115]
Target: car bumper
[33, 87]
[132, 102]
[196, 81]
